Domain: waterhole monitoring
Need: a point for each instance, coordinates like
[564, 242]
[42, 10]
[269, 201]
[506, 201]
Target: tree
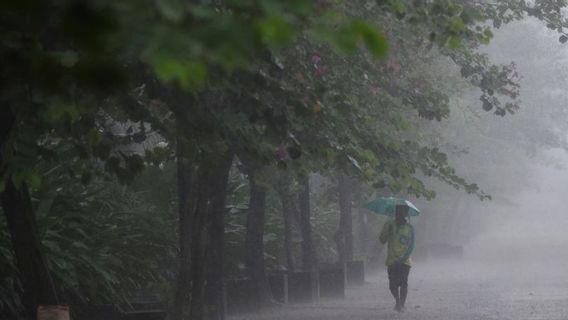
[86, 53]
[37, 282]
[309, 257]
[289, 215]
[344, 235]
[73, 72]
[254, 241]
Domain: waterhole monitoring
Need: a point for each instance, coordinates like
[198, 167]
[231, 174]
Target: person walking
[399, 236]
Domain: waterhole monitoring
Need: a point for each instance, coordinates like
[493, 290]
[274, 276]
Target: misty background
[518, 159]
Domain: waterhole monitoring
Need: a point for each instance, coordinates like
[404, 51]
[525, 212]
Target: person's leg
[394, 284]
[404, 272]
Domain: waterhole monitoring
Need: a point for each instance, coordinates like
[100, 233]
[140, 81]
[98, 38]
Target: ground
[452, 290]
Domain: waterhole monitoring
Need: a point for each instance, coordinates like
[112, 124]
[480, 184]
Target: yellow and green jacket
[400, 239]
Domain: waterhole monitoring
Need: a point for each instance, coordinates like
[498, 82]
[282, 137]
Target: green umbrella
[386, 206]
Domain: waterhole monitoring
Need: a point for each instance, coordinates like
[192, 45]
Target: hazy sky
[536, 224]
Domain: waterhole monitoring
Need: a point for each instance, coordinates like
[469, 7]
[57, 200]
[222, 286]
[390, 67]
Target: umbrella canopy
[386, 206]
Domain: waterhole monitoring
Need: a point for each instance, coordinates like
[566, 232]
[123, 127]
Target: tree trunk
[287, 215]
[254, 244]
[199, 232]
[216, 221]
[192, 197]
[309, 259]
[32, 265]
[344, 235]
[288, 247]
[363, 233]
[201, 191]
[185, 173]
[339, 244]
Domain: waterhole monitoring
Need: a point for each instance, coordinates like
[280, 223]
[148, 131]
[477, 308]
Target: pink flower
[393, 65]
[316, 59]
[320, 71]
[282, 154]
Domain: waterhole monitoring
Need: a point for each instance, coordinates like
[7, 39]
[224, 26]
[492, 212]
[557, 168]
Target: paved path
[463, 290]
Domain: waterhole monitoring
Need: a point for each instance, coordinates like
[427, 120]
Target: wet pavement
[452, 290]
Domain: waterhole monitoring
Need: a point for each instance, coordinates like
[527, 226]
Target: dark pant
[398, 276]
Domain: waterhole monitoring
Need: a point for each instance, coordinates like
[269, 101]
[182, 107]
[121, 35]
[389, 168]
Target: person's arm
[386, 232]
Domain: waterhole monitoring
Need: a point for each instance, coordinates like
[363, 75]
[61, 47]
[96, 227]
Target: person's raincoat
[400, 240]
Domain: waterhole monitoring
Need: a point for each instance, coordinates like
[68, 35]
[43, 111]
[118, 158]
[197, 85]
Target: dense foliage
[103, 240]
[108, 89]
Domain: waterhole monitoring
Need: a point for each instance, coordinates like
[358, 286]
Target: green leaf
[189, 75]
[66, 58]
[93, 138]
[58, 111]
[301, 7]
[34, 179]
[345, 39]
[240, 3]
[373, 39]
[86, 177]
[18, 178]
[454, 42]
[399, 6]
[330, 155]
[487, 36]
[172, 10]
[275, 31]
[457, 25]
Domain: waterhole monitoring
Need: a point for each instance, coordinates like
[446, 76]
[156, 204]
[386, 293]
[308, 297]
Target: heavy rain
[277, 159]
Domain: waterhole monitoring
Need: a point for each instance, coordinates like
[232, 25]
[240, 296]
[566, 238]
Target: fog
[534, 228]
[514, 246]
[498, 259]
[255, 159]
[531, 225]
